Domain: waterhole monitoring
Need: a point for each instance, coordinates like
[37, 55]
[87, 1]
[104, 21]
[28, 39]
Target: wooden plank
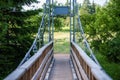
[46, 68]
[89, 65]
[80, 69]
[26, 71]
[100, 75]
[73, 70]
[40, 69]
[15, 75]
[61, 69]
[49, 70]
[76, 68]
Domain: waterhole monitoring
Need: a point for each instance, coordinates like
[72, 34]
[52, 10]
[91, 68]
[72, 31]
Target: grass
[62, 45]
[61, 42]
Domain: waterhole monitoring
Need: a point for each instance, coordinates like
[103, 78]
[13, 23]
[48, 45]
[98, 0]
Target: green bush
[9, 59]
[111, 49]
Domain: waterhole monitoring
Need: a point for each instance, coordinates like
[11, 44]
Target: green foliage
[58, 23]
[102, 29]
[16, 3]
[112, 49]
[108, 22]
[103, 33]
[87, 8]
[110, 67]
[8, 59]
[16, 38]
[17, 30]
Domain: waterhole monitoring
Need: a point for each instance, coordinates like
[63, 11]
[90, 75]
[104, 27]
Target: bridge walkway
[61, 69]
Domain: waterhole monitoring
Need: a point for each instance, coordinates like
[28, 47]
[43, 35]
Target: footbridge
[40, 62]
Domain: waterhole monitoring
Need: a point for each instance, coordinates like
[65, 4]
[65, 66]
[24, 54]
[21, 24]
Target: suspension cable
[86, 43]
[27, 56]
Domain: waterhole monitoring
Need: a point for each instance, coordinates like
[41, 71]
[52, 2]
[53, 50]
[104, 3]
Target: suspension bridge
[40, 62]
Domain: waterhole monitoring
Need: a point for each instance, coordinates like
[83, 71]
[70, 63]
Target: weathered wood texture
[85, 67]
[36, 64]
[61, 69]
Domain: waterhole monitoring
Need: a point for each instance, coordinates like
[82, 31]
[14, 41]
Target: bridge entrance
[61, 69]
[40, 63]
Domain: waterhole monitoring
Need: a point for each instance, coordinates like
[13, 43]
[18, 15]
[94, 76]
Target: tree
[15, 37]
[103, 29]
[87, 7]
[112, 42]
[58, 23]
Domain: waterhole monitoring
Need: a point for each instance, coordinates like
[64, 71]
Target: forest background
[100, 23]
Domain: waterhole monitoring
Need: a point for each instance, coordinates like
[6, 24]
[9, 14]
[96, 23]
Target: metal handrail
[85, 67]
[27, 70]
[34, 42]
[86, 42]
[92, 56]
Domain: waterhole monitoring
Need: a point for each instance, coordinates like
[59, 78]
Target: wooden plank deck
[61, 69]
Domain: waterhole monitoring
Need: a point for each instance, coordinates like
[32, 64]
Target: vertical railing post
[52, 20]
[74, 20]
[70, 21]
[49, 25]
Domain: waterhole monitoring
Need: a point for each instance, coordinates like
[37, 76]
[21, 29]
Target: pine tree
[93, 7]
[87, 7]
[15, 34]
[86, 3]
